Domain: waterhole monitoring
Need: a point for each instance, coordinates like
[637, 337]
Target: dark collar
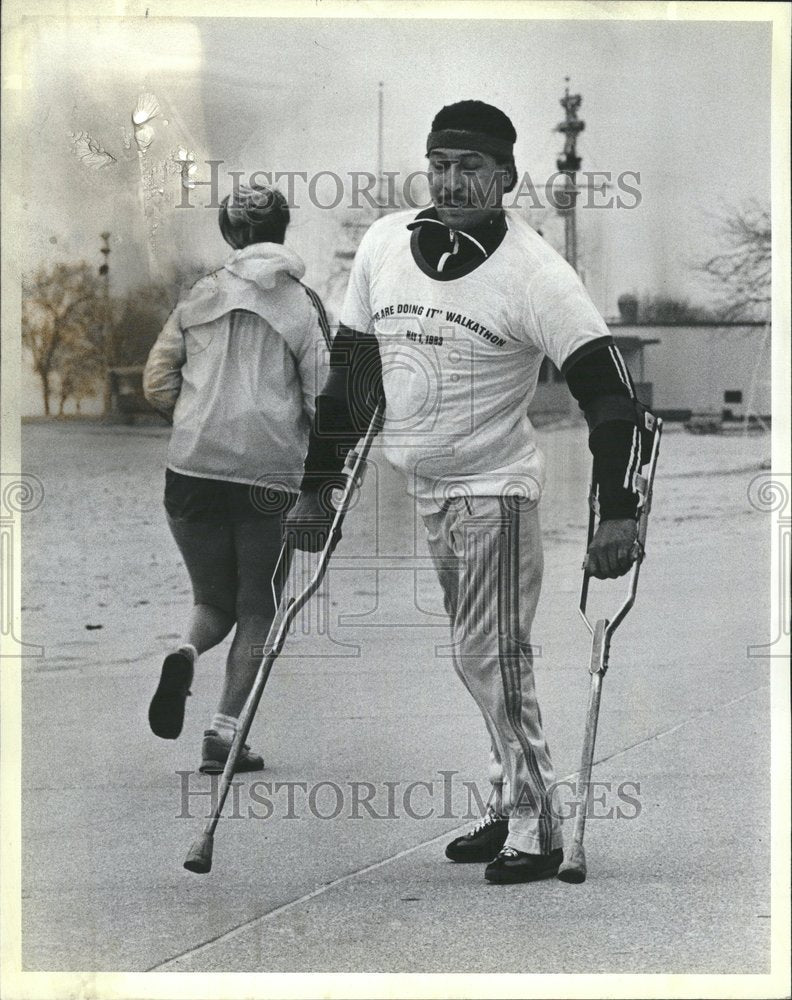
[456, 252]
[488, 235]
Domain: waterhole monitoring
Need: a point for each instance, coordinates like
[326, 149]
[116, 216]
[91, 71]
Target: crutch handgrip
[644, 485]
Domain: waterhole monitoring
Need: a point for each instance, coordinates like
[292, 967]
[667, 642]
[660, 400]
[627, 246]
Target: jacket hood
[246, 281]
[261, 263]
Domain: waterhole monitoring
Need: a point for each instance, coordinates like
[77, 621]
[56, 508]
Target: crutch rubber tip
[199, 857]
[573, 867]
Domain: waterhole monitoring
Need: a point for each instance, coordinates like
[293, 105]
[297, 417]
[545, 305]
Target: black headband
[482, 142]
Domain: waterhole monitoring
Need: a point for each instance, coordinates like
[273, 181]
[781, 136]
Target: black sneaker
[215, 754]
[517, 866]
[483, 842]
[166, 712]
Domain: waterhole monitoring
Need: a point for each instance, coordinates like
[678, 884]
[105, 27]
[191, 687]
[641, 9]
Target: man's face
[466, 186]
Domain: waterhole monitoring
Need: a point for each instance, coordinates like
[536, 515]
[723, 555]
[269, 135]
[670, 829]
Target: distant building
[682, 369]
[128, 405]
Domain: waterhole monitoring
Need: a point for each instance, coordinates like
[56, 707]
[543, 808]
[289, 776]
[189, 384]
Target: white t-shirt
[461, 356]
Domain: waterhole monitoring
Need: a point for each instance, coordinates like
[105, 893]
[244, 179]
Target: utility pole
[569, 164]
[107, 326]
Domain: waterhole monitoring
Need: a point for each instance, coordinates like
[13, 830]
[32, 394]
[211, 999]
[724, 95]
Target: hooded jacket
[237, 367]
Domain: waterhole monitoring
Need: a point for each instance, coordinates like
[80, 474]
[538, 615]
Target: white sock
[226, 725]
[190, 650]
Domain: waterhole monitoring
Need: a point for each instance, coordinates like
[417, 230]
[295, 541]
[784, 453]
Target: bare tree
[78, 374]
[61, 314]
[740, 272]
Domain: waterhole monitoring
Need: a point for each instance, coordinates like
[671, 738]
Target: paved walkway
[678, 858]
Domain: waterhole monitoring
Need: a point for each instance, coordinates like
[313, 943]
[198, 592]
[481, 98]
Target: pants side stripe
[510, 662]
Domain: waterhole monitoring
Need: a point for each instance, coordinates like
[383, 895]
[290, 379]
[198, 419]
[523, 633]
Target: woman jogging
[236, 368]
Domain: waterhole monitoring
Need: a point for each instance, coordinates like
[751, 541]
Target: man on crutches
[453, 311]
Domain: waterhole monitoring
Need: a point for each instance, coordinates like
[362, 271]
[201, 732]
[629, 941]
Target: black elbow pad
[620, 427]
[597, 369]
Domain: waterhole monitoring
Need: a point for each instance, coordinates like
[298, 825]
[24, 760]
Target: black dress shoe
[483, 842]
[517, 866]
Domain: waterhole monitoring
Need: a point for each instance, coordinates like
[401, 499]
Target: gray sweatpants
[488, 555]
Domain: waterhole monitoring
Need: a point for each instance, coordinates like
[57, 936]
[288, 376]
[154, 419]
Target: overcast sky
[685, 104]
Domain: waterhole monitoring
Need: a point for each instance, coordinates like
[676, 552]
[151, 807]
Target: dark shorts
[192, 498]
[229, 536]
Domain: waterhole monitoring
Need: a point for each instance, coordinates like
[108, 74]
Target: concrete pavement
[679, 884]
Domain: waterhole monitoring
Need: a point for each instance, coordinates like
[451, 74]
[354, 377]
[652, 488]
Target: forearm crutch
[199, 857]
[573, 868]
